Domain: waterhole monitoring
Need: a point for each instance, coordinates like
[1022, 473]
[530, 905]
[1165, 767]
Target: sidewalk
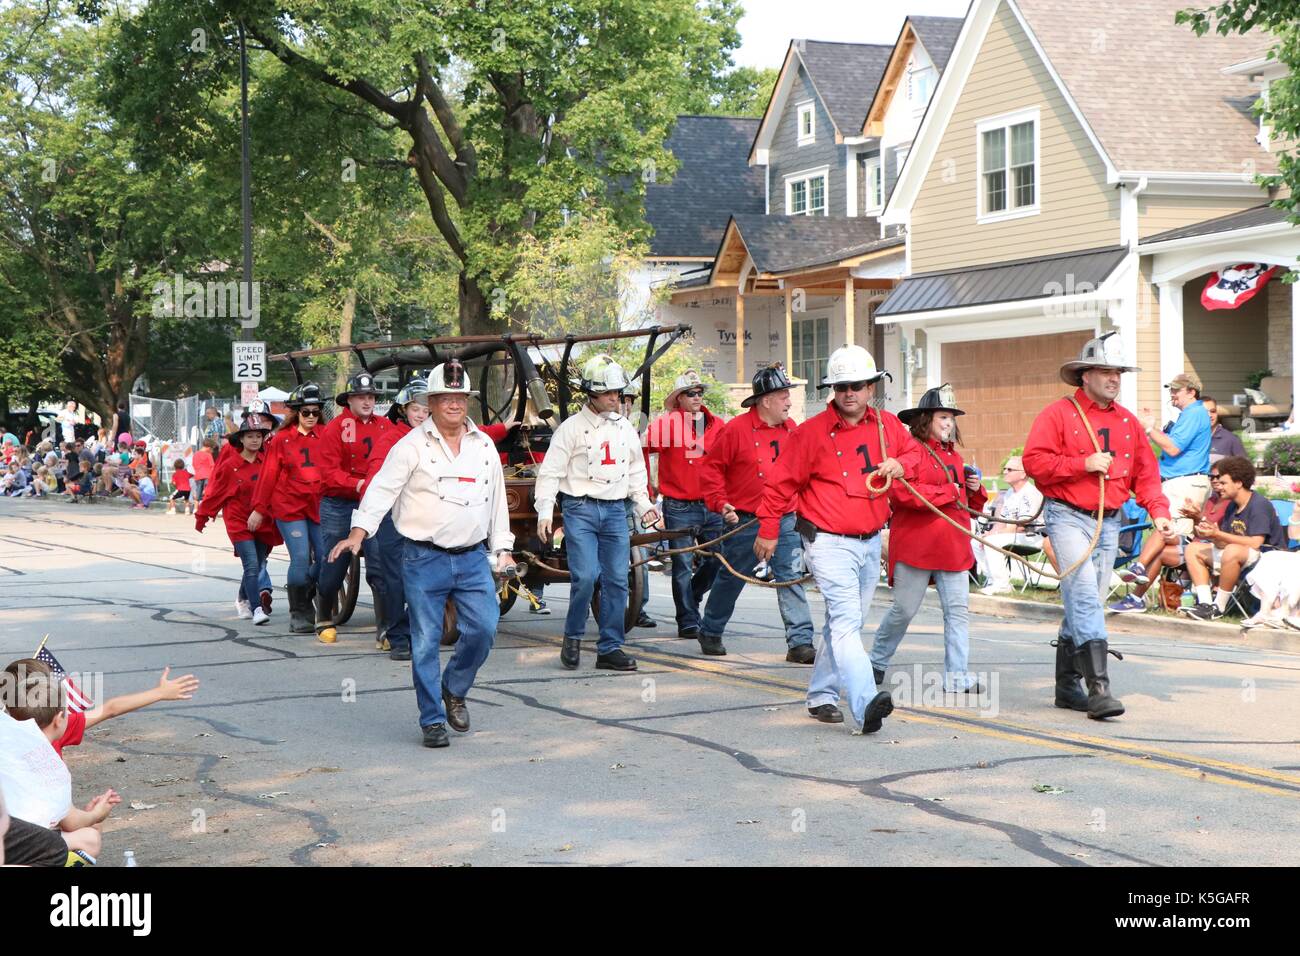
[1181, 629]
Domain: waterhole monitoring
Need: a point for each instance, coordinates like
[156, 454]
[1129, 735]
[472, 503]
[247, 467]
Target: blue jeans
[638, 554]
[335, 525]
[1084, 591]
[431, 579]
[302, 539]
[252, 555]
[392, 595]
[786, 566]
[909, 590]
[847, 571]
[596, 546]
[690, 585]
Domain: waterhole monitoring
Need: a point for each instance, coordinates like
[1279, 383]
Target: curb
[1183, 630]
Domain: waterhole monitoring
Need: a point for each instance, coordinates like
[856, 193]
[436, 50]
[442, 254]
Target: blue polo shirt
[1192, 434]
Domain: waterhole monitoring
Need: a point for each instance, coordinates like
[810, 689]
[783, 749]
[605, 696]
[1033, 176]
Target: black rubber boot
[1069, 694]
[300, 611]
[1091, 660]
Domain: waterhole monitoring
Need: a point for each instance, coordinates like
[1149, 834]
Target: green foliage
[511, 116]
[1256, 378]
[1282, 456]
[743, 91]
[1280, 19]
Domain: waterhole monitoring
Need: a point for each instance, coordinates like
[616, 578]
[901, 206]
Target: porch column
[1295, 346]
[849, 317]
[1172, 361]
[740, 338]
[789, 335]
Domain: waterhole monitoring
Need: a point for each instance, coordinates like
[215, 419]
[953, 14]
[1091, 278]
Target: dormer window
[807, 120]
[805, 193]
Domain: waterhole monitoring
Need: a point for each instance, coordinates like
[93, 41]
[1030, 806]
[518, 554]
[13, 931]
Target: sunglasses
[694, 393]
[314, 412]
[850, 386]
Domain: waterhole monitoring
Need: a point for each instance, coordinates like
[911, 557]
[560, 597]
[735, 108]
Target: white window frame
[815, 364]
[873, 168]
[1006, 121]
[807, 176]
[807, 108]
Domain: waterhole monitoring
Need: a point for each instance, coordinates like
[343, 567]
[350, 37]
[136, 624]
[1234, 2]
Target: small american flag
[77, 701]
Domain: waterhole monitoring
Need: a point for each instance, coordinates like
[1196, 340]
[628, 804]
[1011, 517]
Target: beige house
[1085, 167]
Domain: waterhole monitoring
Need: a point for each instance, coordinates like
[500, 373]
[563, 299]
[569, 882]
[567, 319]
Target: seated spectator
[1222, 442]
[14, 481]
[140, 490]
[1158, 553]
[33, 779]
[26, 844]
[1275, 581]
[1021, 500]
[1248, 527]
[168, 688]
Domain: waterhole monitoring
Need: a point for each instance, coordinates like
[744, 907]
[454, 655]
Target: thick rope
[1018, 522]
[655, 555]
[1096, 535]
[759, 581]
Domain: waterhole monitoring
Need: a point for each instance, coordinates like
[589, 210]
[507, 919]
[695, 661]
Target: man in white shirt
[593, 465]
[1017, 503]
[68, 421]
[444, 485]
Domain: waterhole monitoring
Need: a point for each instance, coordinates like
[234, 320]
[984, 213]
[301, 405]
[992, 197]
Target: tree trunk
[345, 338]
[476, 311]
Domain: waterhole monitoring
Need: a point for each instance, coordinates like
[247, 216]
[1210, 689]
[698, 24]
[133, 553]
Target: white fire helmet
[851, 363]
[602, 374]
[449, 378]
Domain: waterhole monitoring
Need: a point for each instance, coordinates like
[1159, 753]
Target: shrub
[1282, 456]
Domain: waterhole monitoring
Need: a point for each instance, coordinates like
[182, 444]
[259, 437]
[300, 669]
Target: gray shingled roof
[1256, 216]
[713, 180]
[1002, 281]
[938, 36]
[782, 243]
[846, 76]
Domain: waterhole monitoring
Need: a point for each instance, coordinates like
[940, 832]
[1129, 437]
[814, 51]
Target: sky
[768, 26]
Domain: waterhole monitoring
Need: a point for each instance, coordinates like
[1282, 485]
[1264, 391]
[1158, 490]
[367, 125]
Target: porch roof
[1265, 215]
[1013, 281]
[781, 244]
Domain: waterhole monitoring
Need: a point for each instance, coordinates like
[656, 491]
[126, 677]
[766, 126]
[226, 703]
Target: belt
[434, 547]
[686, 501]
[1091, 512]
[810, 531]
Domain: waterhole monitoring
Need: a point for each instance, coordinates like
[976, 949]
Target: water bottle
[130, 858]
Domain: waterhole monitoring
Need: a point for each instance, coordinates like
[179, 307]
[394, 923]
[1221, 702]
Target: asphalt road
[294, 752]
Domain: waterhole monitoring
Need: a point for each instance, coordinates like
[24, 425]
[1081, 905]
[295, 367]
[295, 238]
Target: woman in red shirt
[234, 484]
[924, 548]
[289, 492]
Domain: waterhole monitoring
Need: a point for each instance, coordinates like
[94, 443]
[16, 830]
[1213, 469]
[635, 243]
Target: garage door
[1002, 385]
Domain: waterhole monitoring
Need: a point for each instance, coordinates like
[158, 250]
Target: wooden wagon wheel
[346, 601]
[634, 596]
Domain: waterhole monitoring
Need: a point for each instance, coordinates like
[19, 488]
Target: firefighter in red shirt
[1061, 458]
[925, 548]
[234, 484]
[346, 445]
[822, 476]
[681, 438]
[289, 493]
[741, 461]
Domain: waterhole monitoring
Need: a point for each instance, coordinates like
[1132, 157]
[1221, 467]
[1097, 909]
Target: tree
[85, 233]
[1280, 109]
[559, 105]
[743, 91]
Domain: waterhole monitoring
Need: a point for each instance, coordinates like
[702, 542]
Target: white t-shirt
[36, 784]
[68, 421]
[1017, 505]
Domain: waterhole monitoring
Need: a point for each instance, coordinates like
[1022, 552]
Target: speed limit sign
[249, 361]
